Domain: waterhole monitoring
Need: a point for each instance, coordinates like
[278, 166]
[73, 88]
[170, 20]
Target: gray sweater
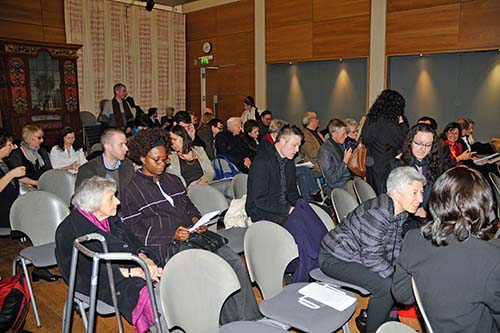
[370, 235]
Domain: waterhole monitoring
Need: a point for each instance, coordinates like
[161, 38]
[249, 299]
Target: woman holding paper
[155, 206]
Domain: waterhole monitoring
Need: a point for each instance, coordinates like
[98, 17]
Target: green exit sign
[205, 59]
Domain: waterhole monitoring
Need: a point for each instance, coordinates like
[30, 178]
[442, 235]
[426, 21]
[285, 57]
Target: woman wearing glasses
[156, 208]
[31, 155]
[420, 150]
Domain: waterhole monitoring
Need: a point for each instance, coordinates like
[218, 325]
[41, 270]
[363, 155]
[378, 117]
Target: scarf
[118, 114]
[32, 155]
[103, 225]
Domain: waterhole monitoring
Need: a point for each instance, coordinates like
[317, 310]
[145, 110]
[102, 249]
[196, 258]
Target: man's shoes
[44, 274]
[361, 320]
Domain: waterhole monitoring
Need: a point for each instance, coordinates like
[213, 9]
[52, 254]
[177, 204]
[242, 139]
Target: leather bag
[357, 162]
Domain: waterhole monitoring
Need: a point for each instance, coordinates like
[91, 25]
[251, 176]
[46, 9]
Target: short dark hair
[460, 204]
[4, 137]
[187, 144]
[60, 139]
[450, 127]
[141, 120]
[432, 121]
[287, 131]
[214, 122]
[182, 117]
[152, 111]
[249, 125]
[117, 87]
[265, 113]
[140, 144]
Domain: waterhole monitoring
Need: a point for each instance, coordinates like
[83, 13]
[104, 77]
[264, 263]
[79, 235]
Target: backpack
[14, 303]
[220, 171]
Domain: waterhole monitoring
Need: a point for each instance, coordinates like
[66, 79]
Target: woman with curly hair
[456, 269]
[189, 161]
[383, 134]
[156, 208]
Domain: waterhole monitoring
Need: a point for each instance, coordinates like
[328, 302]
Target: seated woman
[451, 135]
[67, 154]
[362, 248]
[9, 185]
[190, 162]
[95, 209]
[456, 269]
[157, 209]
[31, 155]
[352, 133]
[251, 137]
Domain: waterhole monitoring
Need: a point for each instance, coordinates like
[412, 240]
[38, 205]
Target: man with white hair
[363, 248]
[230, 144]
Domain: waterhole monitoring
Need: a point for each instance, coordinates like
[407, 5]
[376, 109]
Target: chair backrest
[239, 185]
[88, 118]
[269, 248]
[395, 327]
[495, 181]
[58, 182]
[96, 147]
[350, 188]
[193, 288]
[207, 198]
[343, 203]
[324, 216]
[363, 190]
[37, 214]
[416, 293]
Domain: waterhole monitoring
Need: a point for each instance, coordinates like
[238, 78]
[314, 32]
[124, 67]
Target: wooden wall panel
[201, 24]
[234, 79]
[291, 42]
[432, 29]
[399, 5]
[235, 17]
[235, 48]
[35, 20]
[479, 25]
[342, 38]
[280, 13]
[330, 10]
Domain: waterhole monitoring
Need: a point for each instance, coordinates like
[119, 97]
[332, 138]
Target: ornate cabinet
[38, 84]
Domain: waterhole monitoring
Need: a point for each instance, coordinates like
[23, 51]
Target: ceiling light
[149, 5]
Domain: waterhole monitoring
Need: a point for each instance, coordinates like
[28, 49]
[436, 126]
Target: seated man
[332, 158]
[272, 189]
[184, 119]
[112, 163]
[230, 144]
[468, 143]
[313, 140]
[208, 133]
[265, 120]
[363, 248]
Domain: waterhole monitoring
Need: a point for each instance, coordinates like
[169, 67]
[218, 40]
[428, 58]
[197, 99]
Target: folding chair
[58, 182]
[363, 190]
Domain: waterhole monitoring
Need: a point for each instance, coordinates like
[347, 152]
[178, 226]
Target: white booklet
[327, 295]
[205, 219]
[305, 164]
[486, 158]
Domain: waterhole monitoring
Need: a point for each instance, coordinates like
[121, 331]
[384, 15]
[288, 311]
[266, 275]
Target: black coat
[7, 198]
[233, 147]
[264, 188]
[17, 158]
[120, 239]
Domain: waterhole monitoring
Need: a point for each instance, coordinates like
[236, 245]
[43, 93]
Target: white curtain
[125, 43]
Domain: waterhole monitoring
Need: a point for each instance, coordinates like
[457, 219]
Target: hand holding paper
[205, 219]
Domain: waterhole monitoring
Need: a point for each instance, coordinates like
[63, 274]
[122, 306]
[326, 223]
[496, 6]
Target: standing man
[272, 189]
[117, 112]
[332, 158]
[112, 163]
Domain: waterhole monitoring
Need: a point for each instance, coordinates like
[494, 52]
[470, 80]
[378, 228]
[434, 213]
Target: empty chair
[239, 185]
[324, 216]
[343, 203]
[269, 248]
[395, 327]
[88, 118]
[37, 214]
[363, 190]
[428, 327]
[193, 288]
[207, 198]
[58, 182]
[224, 187]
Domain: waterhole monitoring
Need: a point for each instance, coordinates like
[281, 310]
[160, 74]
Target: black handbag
[208, 240]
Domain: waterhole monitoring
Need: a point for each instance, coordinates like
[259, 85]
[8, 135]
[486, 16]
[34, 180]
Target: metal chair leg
[83, 314]
[345, 328]
[30, 288]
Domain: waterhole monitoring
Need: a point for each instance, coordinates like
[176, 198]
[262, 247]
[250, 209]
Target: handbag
[357, 162]
[208, 240]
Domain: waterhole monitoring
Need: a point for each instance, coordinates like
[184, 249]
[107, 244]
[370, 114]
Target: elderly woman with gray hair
[363, 248]
[95, 212]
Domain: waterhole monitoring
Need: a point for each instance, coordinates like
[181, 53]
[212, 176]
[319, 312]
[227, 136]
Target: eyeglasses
[424, 145]
[159, 160]
[40, 137]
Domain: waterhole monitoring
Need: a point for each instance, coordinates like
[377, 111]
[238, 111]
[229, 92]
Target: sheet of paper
[486, 158]
[204, 220]
[305, 164]
[328, 295]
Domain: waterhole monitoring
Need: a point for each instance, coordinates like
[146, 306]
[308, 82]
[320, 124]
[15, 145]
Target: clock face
[207, 47]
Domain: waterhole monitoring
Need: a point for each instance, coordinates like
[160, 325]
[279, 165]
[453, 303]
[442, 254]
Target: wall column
[377, 63]
[260, 54]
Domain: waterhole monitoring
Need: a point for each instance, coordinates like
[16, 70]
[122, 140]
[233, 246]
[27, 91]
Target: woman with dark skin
[155, 206]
